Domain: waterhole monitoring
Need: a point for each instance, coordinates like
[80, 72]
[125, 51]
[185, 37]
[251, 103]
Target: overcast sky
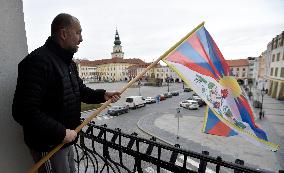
[148, 28]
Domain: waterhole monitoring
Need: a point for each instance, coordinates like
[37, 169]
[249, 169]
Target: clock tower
[117, 48]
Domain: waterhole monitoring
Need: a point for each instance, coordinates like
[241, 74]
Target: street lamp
[168, 85]
[168, 81]
[139, 84]
[261, 113]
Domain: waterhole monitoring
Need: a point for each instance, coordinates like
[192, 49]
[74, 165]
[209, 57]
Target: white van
[135, 101]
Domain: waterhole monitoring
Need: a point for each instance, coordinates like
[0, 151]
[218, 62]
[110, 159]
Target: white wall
[14, 155]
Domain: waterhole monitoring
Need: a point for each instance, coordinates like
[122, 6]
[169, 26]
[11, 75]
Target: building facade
[240, 69]
[15, 156]
[253, 69]
[276, 71]
[260, 76]
[120, 69]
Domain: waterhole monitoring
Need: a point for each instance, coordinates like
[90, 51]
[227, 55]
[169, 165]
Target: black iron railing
[101, 149]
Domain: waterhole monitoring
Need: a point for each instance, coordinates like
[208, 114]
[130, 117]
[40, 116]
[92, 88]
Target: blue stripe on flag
[187, 50]
[246, 118]
[213, 54]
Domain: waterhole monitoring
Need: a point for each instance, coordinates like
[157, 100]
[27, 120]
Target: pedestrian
[49, 93]
[158, 98]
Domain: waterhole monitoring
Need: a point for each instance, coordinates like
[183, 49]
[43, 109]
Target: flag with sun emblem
[199, 62]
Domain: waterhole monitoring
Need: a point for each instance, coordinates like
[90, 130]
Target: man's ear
[63, 34]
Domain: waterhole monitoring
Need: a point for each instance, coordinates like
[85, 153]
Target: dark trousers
[61, 162]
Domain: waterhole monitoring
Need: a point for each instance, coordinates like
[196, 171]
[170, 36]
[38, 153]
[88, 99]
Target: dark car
[175, 93]
[187, 89]
[194, 94]
[118, 110]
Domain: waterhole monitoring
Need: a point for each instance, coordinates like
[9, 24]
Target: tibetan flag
[199, 62]
[212, 125]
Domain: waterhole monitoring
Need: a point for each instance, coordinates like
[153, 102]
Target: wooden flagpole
[35, 167]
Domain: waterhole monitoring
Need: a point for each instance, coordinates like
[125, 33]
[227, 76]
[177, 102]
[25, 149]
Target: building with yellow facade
[275, 78]
[120, 69]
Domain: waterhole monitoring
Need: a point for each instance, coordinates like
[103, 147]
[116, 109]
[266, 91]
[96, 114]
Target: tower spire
[117, 48]
[116, 38]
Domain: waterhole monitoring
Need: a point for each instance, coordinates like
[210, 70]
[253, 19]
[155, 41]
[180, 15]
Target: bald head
[61, 21]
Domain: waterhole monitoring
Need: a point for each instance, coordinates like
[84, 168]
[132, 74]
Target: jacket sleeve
[88, 95]
[26, 109]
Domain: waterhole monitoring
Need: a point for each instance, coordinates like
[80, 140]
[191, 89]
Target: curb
[150, 133]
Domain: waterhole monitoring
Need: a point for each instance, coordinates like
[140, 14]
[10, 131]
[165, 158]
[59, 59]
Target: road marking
[105, 117]
[178, 163]
[196, 164]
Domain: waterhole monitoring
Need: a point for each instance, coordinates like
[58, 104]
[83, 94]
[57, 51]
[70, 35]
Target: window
[276, 72]
[237, 69]
[278, 56]
[282, 72]
[273, 57]
[271, 71]
[244, 69]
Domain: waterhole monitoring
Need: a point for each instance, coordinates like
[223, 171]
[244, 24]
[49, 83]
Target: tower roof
[116, 38]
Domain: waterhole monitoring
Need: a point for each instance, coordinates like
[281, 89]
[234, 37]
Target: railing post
[138, 166]
[114, 137]
[150, 147]
[174, 155]
[239, 162]
[203, 164]
[219, 159]
[131, 141]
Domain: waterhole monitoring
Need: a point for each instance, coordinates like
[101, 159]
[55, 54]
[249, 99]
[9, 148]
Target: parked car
[189, 104]
[175, 93]
[257, 104]
[186, 89]
[135, 102]
[150, 100]
[192, 104]
[199, 101]
[194, 94]
[168, 95]
[162, 97]
[183, 104]
[118, 110]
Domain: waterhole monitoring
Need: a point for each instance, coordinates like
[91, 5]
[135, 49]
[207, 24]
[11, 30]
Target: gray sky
[148, 28]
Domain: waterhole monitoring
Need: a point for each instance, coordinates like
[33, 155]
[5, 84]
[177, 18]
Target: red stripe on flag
[195, 42]
[220, 129]
[177, 57]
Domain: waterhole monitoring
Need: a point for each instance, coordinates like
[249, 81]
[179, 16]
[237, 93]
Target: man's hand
[114, 96]
[70, 136]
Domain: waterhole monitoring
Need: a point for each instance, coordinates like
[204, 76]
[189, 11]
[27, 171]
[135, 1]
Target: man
[49, 93]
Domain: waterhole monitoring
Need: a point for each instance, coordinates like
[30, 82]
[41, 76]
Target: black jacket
[48, 96]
